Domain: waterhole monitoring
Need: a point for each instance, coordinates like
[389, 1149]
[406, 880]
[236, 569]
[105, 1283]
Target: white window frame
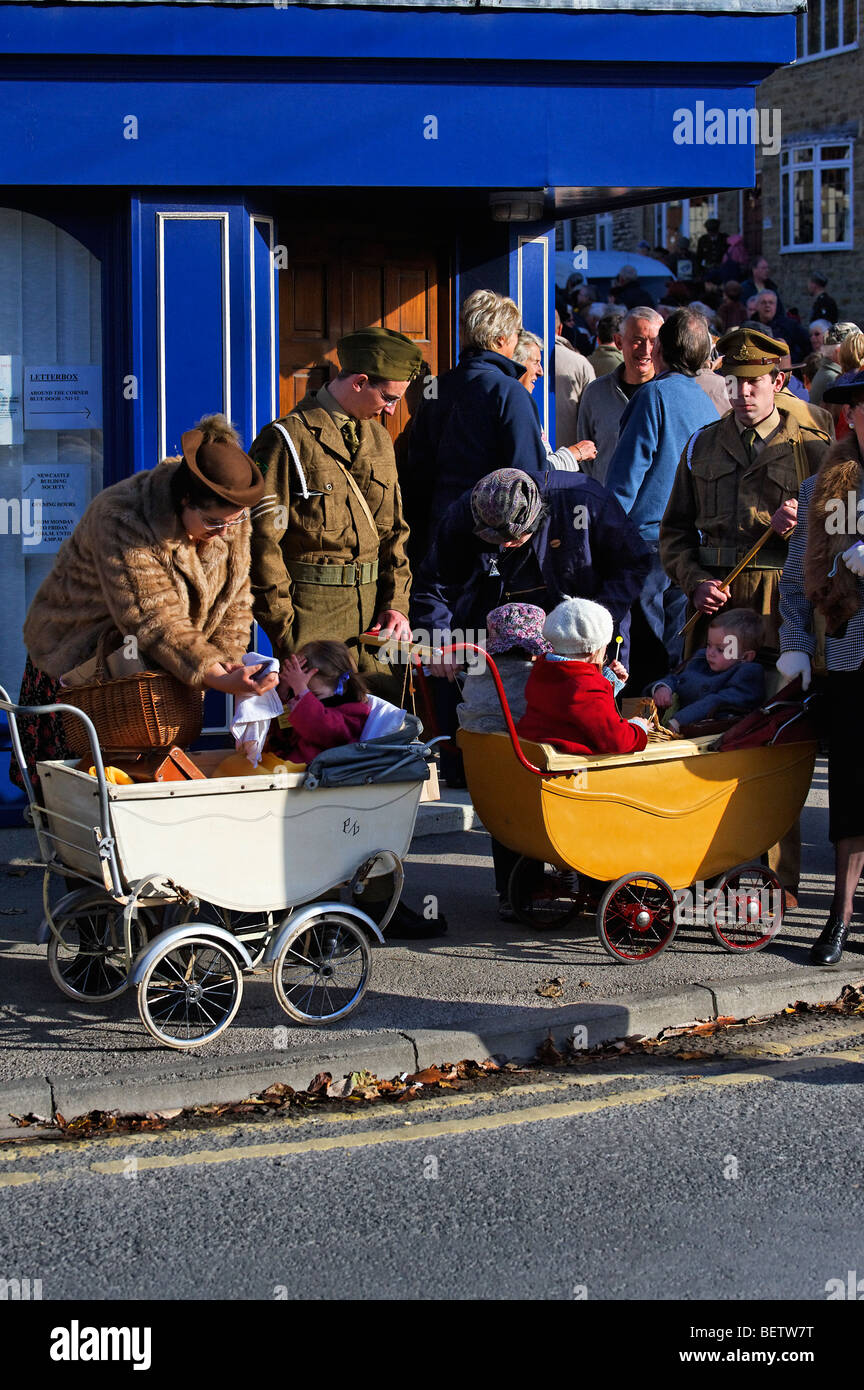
[805, 56]
[603, 223]
[788, 168]
[660, 228]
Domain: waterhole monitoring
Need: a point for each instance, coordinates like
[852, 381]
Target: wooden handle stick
[733, 575]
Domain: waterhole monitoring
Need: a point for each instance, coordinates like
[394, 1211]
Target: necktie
[351, 437]
[749, 438]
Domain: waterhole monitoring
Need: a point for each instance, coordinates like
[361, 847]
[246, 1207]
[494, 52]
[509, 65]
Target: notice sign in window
[53, 500]
[62, 398]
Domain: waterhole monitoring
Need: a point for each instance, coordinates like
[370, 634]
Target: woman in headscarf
[509, 540]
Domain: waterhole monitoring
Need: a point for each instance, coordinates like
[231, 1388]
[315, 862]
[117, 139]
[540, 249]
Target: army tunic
[722, 501]
[319, 571]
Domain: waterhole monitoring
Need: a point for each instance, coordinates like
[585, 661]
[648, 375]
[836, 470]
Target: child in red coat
[569, 702]
[328, 705]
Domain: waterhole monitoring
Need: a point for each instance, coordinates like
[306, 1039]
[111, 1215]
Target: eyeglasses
[210, 525]
[388, 400]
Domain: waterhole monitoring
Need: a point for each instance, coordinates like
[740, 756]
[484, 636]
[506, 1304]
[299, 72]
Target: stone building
[800, 211]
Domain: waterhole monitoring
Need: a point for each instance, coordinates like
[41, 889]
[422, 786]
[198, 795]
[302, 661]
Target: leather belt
[343, 576]
[726, 557]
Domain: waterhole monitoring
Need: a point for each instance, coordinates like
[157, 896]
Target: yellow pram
[673, 833]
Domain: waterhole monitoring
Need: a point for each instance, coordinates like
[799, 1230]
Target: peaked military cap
[747, 352]
[380, 352]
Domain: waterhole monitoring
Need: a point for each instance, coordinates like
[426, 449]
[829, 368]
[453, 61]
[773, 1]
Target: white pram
[187, 886]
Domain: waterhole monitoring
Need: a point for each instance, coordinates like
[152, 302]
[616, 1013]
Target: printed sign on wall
[54, 497]
[63, 398]
[11, 413]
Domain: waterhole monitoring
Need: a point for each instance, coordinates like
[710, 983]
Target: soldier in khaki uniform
[328, 541]
[328, 538]
[735, 478]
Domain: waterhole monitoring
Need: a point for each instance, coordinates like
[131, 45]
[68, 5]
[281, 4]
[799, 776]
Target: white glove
[853, 558]
[640, 723]
[792, 664]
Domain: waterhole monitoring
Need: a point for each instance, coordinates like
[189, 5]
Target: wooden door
[332, 286]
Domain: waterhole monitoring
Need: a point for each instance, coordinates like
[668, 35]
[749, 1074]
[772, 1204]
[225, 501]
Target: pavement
[472, 993]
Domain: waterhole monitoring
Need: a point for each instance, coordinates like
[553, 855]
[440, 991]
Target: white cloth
[253, 713]
[383, 718]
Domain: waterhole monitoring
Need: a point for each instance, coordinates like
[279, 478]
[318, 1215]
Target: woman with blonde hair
[480, 418]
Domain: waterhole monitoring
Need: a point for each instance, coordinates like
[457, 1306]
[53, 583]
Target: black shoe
[406, 924]
[505, 909]
[828, 946]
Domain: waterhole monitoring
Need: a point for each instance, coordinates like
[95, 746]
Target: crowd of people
[686, 440]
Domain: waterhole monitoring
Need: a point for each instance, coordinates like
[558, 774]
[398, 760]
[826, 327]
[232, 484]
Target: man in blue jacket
[481, 418]
[654, 431]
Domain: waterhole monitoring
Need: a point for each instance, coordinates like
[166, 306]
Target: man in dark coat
[480, 418]
[509, 541]
[824, 305]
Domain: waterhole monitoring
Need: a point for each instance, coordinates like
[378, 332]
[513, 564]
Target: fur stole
[837, 494]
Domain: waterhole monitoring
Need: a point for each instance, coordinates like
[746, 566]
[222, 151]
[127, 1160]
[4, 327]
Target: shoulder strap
[690, 443]
[352, 482]
[801, 466]
[295, 456]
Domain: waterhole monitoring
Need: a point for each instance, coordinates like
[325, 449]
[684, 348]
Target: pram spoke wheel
[745, 909]
[190, 992]
[88, 962]
[542, 895]
[252, 928]
[636, 917]
[321, 973]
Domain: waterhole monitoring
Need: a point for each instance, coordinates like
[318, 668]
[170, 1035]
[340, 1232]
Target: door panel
[331, 287]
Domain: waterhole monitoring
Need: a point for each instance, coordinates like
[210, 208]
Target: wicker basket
[147, 710]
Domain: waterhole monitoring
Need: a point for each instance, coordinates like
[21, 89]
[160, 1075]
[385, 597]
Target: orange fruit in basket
[115, 775]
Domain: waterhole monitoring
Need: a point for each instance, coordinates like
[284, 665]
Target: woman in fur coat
[824, 579]
[161, 557]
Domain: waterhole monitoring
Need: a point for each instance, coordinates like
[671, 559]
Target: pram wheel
[321, 973]
[252, 928]
[190, 992]
[86, 951]
[746, 908]
[542, 895]
[636, 917]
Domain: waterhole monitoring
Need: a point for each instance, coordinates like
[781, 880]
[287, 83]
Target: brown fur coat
[836, 493]
[129, 569]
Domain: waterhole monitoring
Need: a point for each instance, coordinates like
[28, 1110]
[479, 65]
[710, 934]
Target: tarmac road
[731, 1175]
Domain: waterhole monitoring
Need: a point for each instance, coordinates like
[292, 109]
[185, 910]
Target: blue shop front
[199, 200]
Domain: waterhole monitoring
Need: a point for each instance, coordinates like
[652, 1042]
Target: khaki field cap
[224, 468]
[747, 352]
[379, 352]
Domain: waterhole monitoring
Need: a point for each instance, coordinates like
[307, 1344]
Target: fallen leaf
[690, 1056]
[552, 988]
[168, 1114]
[319, 1083]
[338, 1090]
[547, 1053]
[278, 1091]
[584, 984]
[429, 1077]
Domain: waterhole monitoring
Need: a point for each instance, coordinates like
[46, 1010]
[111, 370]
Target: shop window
[828, 26]
[50, 409]
[816, 198]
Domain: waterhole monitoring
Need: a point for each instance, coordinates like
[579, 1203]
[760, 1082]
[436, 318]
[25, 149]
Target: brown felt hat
[224, 468]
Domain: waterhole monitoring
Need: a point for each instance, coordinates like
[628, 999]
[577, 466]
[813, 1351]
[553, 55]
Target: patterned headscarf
[516, 625]
[505, 505]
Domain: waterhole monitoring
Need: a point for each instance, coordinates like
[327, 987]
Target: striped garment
[844, 653]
